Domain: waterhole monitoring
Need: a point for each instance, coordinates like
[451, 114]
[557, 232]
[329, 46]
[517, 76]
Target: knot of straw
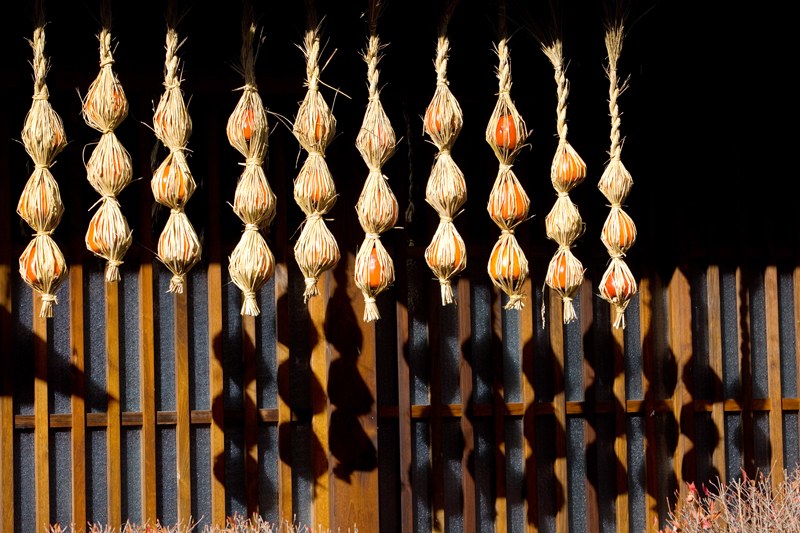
[507, 232]
[562, 194]
[616, 205]
[176, 210]
[113, 263]
[316, 215]
[505, 167]
[563, 248]
[47, 297]
[251, 227]
[43, 233]
[42, 166]
[372, 235]
[254, 161]
[43, 94]
[444, 151]
[369, 299]
[445, 220]
[106, 61]
[249, 295]
[566, 299]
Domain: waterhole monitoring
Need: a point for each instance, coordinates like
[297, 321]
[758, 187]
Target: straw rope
[178, 246]
[618, 285]
[42, 265]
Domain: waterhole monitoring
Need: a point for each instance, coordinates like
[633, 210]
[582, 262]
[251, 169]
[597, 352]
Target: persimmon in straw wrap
[508, 202]
[564, 224]
[42, 264]
[172, 184]
[377, 206]
[618, 285]
[252, 264]
[446, 190]
[109, 168]
[314, 127]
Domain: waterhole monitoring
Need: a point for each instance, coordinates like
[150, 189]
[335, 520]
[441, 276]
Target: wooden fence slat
[680, 344]
[215, 368]
[182, 434]
[465, 387]
[114, 467]
[647, 333]
[498, 399]
[556, 327]
[745, 373]
[589, 397]
[435, 399]
[146, 326]
[774, 372]
[715, 362]
[41, 435]
[531, 502]
[6, 379]
[320, 364]
[621, 433]
[250, 413]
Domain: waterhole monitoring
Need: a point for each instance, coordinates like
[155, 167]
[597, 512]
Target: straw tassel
[178, 246]
[508, 203]
[618, 285]
[42, 265]
[446, 191]
[314, 191]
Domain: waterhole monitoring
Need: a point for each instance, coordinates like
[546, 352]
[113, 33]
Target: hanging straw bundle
[508, 202]
[42, 264]
[172, 184]
[252, 264]
[446, 191]
[563, 224]
[377, 206]
[314, 191]
[618, 285]
[109, 168]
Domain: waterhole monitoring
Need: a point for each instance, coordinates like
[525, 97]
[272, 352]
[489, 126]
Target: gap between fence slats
[465, 390]
[499, 411]
[531, 503]
[745, 372]
[435, 400]
[589, 397]
[404, 389]
[647, 334]
[250, 388]
[114, 467]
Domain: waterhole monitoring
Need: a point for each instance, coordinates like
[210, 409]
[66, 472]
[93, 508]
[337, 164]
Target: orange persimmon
[509, 189]
[570, 168]
[611, 288]
[248, 123]
[92, 235]
[506, 132]
[501, 271]
[560, 277]
[434, 256]
[163, 182]
[626, 231]
[375, 269]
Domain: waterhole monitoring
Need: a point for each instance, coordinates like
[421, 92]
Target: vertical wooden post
[621, 436]
[715, 362]
[114, 468]
[320, 364]
[465, 386]
[41, 434]
[183, 445]
[556, 323]
[774, 373]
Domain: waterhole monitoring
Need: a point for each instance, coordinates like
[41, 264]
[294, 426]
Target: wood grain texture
[146, 332]
[680, 344]
[715, 365]
[774, 372]
[215, 368]
[320, 404]
[465, 388]
[589, 432]
[620, 424]
[114, 466]
[182, 435]
[526, 319]
[556, 327]
[250, 413]
[6, 378]
[41, 434]
[647, 333]
[499, 409]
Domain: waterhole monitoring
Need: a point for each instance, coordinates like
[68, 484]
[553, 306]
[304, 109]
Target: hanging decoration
[109, 168]
[618, 285]
[42, 265]
[446, 191]
[508, 202]
[252, 264]
[178, 246]
[314, 191]
[563, 224]
[377, 206]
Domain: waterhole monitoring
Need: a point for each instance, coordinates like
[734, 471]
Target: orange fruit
[626, 231]
[506, 132]
[375, 270]
[500, 272]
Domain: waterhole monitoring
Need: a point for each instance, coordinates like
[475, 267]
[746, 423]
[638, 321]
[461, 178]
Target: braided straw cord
[446, 190]
[618, 285]
[42, 265]
[508, 203]
[251, 264]
[178, 246]
[377, 206]
[109, 169]
[314, 191]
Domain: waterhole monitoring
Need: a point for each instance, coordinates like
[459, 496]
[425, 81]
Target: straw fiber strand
[42, 264]
[251, 264]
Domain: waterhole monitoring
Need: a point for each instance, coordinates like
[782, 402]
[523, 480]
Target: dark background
[705, 119]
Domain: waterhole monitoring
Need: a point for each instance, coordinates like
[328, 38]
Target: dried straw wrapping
[109, 168]
[314, 191]
[42, 264]
[178, 246]
[252, 264]
[508, 269]
[618, 285]
[565, 276]
[446, 256]
[374, 272]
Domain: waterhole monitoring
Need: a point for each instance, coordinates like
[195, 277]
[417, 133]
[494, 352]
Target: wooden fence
[132, 404]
